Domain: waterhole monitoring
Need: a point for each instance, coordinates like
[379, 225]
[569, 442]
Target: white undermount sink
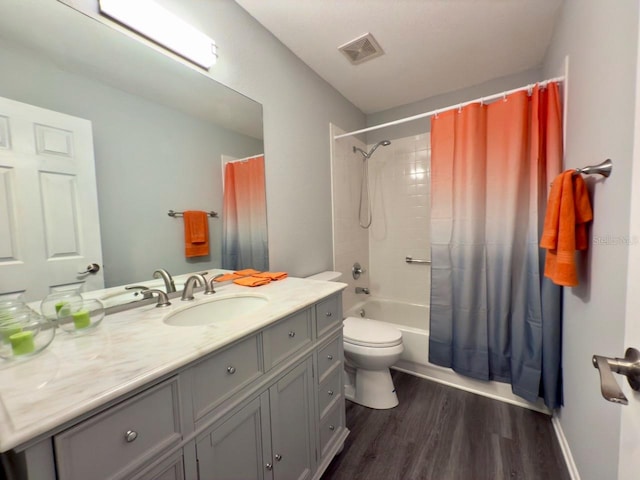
[216, 311]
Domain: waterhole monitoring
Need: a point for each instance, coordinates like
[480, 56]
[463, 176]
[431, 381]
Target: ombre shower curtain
[494, 316]
[244, 220]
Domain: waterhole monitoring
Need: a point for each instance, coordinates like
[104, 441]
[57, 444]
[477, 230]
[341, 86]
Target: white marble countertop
[77, 374]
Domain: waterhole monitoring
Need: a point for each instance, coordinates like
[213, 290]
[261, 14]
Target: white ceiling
[431, 46]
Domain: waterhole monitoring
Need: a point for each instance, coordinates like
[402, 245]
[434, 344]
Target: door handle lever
[628, 366]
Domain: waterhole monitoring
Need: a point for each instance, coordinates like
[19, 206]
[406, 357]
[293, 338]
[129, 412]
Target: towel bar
[180, 214]
[603, 169]
[410, 259]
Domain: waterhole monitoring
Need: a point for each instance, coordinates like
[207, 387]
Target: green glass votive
[81, 319]
[22, 343]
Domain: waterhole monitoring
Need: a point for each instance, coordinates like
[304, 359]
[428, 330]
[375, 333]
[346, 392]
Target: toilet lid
[370, 333]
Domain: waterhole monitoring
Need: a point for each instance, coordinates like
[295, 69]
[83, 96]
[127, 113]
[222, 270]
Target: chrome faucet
[195, 279]
[169, 285]
[209, 290]
[163, 300]
[364, 290]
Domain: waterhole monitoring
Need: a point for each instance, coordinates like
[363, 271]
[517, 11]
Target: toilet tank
[328, 276]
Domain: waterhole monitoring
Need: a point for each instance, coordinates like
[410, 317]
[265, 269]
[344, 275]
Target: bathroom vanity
[257, 396]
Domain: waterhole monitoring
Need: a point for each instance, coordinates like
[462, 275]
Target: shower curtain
[244, 221]
[494, 316]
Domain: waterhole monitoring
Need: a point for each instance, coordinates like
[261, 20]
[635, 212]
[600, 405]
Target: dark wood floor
[442, 433]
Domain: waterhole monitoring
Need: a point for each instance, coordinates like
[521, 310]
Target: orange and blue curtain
[244, 224]
[494, 316]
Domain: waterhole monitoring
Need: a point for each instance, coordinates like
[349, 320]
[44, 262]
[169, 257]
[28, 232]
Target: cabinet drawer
[328, 314]
[329, 390]
[330, 427]
[287, 336]
[328, 356]
[121, 438]
[221, 375]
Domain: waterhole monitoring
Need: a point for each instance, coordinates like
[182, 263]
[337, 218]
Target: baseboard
[564, 447]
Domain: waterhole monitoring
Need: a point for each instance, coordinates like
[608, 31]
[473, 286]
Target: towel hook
[603, 168]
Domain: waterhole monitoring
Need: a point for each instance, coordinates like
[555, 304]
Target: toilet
[370, 348]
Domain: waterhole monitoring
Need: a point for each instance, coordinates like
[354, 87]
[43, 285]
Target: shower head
[366, 155]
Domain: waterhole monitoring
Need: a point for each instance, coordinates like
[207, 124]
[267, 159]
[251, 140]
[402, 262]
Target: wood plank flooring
[442, 433]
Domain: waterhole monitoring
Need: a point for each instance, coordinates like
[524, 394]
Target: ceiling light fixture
[162, 27]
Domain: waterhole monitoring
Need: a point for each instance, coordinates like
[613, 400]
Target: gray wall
[298, 106]
[601, 41]
[149, 159]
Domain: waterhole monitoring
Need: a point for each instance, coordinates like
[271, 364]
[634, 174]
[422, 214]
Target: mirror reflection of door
[244, 221]
[48, 203]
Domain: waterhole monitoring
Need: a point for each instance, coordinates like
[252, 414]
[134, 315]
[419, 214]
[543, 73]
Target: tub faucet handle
[357, 270]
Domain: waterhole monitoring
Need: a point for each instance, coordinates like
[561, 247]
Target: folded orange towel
[247, 272]
[196, 233]
[227, 276]
[272, 275]
[568, 211]
[251, 281]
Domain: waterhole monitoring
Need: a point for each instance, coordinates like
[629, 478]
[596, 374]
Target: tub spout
[364, 290]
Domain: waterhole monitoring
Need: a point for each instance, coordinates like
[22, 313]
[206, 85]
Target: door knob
[628, 366]
[91, 268]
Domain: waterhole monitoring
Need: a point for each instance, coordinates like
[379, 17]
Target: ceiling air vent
[361, 49]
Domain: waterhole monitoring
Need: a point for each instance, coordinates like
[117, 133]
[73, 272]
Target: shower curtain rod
[441, 110]
[237, 160]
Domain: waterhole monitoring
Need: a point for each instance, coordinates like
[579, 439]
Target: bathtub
[413, 321]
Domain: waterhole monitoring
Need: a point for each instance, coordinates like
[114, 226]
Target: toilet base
[373, 389]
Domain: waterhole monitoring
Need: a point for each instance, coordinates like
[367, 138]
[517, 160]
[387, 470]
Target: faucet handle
[144, 290]
[163, 299]
[209, 290]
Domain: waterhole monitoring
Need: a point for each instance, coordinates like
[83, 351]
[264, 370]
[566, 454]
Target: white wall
[400, 177]
[601, 39]
[298, 107]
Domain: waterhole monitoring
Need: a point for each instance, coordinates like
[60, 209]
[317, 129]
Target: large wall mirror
[160, 132]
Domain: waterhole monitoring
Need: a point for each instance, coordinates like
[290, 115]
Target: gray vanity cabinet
[268, 438]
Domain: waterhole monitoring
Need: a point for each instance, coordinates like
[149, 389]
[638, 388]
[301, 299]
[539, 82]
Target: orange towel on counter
[251, 281]
[274, 276]
[227, 276]
[246, 272]
[196, 233]
[565, 230]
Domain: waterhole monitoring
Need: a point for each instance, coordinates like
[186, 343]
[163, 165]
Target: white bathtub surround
[413, 320]
[75, 375]
[350, 242]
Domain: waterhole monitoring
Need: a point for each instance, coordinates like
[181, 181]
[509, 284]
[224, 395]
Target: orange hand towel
[227, 276]
[568, 211]
[251, 281]
[247, 272]
[272, 275]
[196, 233]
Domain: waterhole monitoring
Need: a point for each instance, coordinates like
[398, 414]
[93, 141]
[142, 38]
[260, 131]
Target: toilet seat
[370, 333]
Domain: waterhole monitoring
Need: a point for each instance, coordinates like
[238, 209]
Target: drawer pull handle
[231, 370]
[332, 428]
[278, 457]
[329, 357]
[268, 466]
[292, 334]
[330, 393]
[328, 314]
[130, 436]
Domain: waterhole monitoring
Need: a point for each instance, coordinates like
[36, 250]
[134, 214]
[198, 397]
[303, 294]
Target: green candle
[81, 319]
[22, 343]
[62, 309]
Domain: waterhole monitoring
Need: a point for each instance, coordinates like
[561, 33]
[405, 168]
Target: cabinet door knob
[278, 457]
[292, 334]
[231, 370]
[332, 428]
[328, 314]
[330, 393]
[130, 436]
[329, 357]
[268, 466]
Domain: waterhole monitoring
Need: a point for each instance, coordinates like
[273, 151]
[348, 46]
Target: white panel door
[49, 220]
